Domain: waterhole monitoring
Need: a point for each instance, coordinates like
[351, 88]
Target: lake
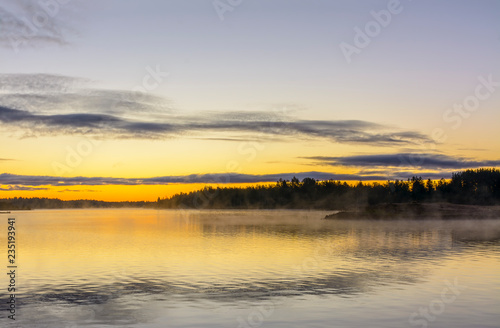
[239, 268]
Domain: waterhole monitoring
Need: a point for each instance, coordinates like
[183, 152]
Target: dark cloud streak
[43, 104]
[18, 182]
[22, 188]
[216, 178]
[110, 126]
[405, 160]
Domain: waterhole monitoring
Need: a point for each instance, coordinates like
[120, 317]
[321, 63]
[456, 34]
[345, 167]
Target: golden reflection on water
[74, 245]
[208, 247]
[112, 266]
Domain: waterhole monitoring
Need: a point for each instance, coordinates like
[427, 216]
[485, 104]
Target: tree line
[23, 203]
[479, 187]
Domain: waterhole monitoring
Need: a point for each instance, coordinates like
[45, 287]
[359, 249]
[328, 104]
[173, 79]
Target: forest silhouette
[477, 187]
[474, 187]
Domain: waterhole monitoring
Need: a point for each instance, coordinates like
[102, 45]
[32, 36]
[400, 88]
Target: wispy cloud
[35, 180]
[38, 105]
[216, 178]
[22, 188]
[404, 160]
[111, 126]
[78, 190]
[58, 94]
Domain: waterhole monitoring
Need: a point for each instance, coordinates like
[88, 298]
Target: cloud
[22, 188]
[78, 190]
[33, 180]
[26, 84]
[58, 94]
[7, 159]
[112, 126]
[44, 104]
[405, 160]
[35, 23]
[215, 178]
[253, 178]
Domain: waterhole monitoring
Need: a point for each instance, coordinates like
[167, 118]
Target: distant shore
[399, 211]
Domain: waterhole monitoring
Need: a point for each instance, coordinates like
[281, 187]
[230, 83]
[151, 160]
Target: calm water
[149, 268]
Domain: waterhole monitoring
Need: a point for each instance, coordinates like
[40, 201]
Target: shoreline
[418, 211]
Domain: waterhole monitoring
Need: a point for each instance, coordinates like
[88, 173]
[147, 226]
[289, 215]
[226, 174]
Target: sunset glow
[298, 91]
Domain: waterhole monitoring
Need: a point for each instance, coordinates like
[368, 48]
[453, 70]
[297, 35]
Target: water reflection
[125, 267]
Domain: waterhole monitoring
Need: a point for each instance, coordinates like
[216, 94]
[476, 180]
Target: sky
[134, 100]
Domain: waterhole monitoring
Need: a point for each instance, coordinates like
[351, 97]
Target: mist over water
[240, 268]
